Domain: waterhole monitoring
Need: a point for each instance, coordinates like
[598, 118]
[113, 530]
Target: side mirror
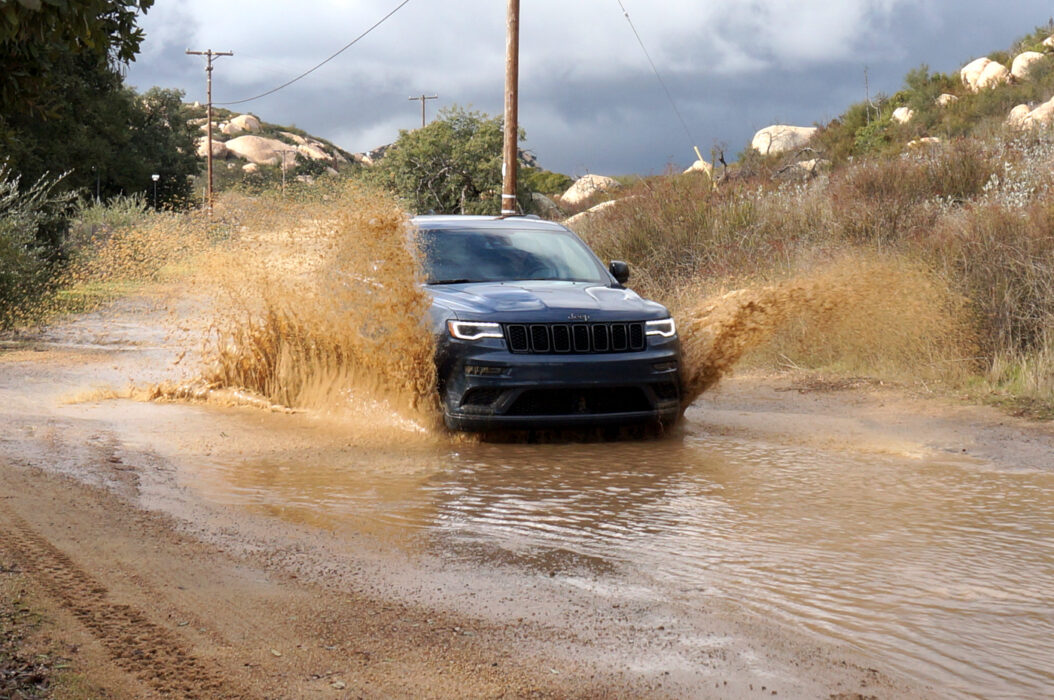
[619, 270]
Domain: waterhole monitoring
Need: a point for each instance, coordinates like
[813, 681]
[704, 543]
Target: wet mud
[782, 536]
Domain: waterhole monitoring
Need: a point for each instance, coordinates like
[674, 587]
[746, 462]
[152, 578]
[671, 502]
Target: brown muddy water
[940, 568]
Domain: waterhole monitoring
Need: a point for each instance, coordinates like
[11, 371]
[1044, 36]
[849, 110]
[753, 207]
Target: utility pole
[422, 98]
[512, 79]
[209, 54]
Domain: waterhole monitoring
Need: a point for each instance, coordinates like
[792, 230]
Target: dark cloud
[589, 101]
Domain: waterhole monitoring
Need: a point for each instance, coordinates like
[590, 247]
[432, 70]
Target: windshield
[497, 255]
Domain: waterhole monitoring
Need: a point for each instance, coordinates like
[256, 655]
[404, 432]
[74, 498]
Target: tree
[451, 166]
[64, 107]
[37, 35]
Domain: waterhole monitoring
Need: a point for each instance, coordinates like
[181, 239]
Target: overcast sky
[588, 98]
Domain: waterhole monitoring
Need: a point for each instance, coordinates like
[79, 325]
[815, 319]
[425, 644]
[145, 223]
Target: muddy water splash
[878, 315]
[319, 308]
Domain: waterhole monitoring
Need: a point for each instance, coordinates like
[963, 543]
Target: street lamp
[155, 177]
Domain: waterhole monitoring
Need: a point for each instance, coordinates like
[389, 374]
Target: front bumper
[485, 387]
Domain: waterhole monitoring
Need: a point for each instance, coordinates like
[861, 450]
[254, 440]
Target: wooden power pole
[512, 75]
[422, 98]
[209, 54]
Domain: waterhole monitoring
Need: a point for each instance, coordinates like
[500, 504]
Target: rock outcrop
[983, 73]
[1017, 116]
[241, 124]
[780, 138]
[1023, 63]
[263, 151]
[970, 74]
[1024, 118]
[582, 216]
[219, 148]
[946, 99]
[925, 141]
[994, 74]
[587, 186]
[545, 206]
[700, 166]
[903, 115]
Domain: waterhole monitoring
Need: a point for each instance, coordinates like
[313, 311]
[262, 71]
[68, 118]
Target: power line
[347, 46]
[669, 96]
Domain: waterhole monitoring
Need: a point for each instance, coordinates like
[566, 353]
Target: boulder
[1040, 116]
[971, 72]
[1018, 116]
[903, 115]
[240, 124]
[250, 167]
[946, 99]
[701, 166]
[581, 216]
[1049, 42]
[587, 186]
[313, 152]
[780, 138]
[544, 206]
[1023, 64]
[219, 148]
[371, 157]
[262, 151]
[295, 138]
[994, 74]
[924, 142]
[803, 169]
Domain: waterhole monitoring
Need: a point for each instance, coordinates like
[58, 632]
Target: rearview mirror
[619, 270]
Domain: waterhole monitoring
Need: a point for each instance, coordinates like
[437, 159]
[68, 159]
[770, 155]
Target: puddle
[936, 568]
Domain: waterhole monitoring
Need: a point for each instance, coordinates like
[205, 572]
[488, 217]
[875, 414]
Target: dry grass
[934, 265]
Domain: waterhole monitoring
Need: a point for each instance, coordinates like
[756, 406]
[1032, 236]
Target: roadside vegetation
[969, 226]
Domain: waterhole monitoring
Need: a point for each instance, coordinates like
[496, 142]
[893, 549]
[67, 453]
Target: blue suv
[534, 332]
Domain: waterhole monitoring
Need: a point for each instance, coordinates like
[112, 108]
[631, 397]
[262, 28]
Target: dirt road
[181, 550]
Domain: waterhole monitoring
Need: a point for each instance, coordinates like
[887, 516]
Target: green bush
[30, 223]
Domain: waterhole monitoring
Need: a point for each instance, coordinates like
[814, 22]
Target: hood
[541, 301]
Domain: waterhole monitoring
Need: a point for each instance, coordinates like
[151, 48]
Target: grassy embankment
[952, 243]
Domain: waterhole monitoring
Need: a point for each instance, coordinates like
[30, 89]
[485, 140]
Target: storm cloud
[589, 101]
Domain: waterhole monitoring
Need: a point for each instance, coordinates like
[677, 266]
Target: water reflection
[942, 569]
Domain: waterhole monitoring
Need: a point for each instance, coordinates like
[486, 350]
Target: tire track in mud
[150, 653]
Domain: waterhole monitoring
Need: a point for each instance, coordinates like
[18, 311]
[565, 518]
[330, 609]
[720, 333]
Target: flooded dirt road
[792, 538]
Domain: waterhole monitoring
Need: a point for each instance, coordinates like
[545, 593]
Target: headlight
[666, 328]
[473, 330]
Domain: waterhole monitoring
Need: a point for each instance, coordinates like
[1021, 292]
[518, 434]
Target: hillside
[247, 149]
[909, 240]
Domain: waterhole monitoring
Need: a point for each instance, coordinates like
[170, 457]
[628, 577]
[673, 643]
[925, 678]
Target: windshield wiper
[457, 281]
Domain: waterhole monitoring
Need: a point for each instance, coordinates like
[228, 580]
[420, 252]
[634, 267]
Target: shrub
[31, 226]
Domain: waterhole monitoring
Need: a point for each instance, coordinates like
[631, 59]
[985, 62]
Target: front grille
[590, 401]
[565, 338]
